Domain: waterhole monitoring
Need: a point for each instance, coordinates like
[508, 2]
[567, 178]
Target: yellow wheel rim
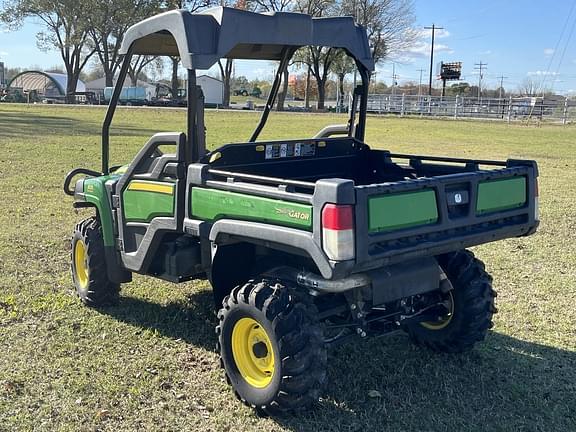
[81, 264]
[445, 320]
[253, 352]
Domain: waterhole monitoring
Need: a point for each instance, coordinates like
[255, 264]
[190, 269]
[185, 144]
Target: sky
[517, 39]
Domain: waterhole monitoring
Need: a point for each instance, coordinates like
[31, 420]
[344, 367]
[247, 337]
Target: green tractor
[307, 243]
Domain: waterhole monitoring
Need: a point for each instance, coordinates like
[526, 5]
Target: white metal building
[212, 88]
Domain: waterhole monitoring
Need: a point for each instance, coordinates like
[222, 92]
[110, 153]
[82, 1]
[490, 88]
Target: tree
[317, 59]
[342, 66]
[533, 87]
[109, 21]
[66, 28]
[388, 23]
[459, 89]
[139, 63]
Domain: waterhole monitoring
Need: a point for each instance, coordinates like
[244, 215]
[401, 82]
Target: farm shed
[46, 84]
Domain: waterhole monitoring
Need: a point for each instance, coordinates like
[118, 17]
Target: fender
[275, 237]
[91, 192]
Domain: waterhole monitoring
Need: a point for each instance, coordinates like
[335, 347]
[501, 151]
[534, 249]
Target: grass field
[150, 364]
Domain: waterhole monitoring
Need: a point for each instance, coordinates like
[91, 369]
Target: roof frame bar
[287, 54]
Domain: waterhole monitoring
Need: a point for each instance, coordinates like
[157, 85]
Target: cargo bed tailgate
[429, 216]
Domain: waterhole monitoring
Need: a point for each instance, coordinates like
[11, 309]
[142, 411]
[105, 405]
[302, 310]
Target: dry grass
[149, 364]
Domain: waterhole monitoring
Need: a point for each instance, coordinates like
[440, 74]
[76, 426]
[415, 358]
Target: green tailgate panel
[498, 195]
[212, 204]
[402, 210]
[143, 201]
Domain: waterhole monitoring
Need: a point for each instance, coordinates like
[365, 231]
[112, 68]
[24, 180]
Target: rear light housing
[338, 232]
[536, 201]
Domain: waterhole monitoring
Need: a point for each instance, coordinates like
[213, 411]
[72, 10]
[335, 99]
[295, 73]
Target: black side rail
[419, 159]
[261, 179]
[73, 174]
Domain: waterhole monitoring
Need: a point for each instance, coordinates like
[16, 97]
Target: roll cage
[202, 39]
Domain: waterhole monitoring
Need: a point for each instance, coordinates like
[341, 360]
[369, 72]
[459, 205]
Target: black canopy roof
[201, 39]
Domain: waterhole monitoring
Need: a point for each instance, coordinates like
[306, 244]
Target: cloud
[421, 50]
[543, 73]
[548, 51]
[487, 52]
[427, 34]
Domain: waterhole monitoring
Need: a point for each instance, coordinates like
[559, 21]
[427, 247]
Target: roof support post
[111, 110]
[193, 152]
[286, 56]
[361, 128]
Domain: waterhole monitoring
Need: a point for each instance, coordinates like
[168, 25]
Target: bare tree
[531, 86]
[389, 24]
[141, 62]
[66, 30]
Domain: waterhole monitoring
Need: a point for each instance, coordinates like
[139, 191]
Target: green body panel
[402, 210]
[95, 193]
[211, 204]
[497, 195]
[143, 206]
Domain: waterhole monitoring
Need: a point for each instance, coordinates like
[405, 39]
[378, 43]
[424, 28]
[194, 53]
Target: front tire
[271, 347]
[88, 267]
[470, 305]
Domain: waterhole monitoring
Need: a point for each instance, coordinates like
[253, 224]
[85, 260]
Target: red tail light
[338, 217]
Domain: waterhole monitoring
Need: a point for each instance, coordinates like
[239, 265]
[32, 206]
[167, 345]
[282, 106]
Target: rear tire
[271, 347]
[472, 304]
[88, 267]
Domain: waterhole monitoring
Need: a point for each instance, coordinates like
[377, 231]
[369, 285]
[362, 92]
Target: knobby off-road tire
[271, 347]
[89, 266]
[472, 301]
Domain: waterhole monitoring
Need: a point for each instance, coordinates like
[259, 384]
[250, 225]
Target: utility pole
[394, 78]
[433, 28]
[502, 78]
[480, 67]
[420, 83]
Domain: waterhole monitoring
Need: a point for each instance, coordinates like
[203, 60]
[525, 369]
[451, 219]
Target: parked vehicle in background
[135, 96]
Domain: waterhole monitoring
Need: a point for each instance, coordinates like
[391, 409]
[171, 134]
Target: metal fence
[554, 109]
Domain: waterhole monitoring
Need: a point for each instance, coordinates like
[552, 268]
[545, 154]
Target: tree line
[82, 31]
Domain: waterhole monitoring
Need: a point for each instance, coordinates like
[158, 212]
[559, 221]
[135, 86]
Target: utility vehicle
[306, 242]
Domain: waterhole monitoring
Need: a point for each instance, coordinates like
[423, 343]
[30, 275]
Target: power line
[564, 50]
[480, 67]
[553, 56]
[433, 28]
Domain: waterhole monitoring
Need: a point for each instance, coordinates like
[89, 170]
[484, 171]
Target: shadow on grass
[17, 124]
[388, 384]
[192, 322]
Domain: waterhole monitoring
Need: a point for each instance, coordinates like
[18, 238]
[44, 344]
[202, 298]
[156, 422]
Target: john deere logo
[294, 214]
